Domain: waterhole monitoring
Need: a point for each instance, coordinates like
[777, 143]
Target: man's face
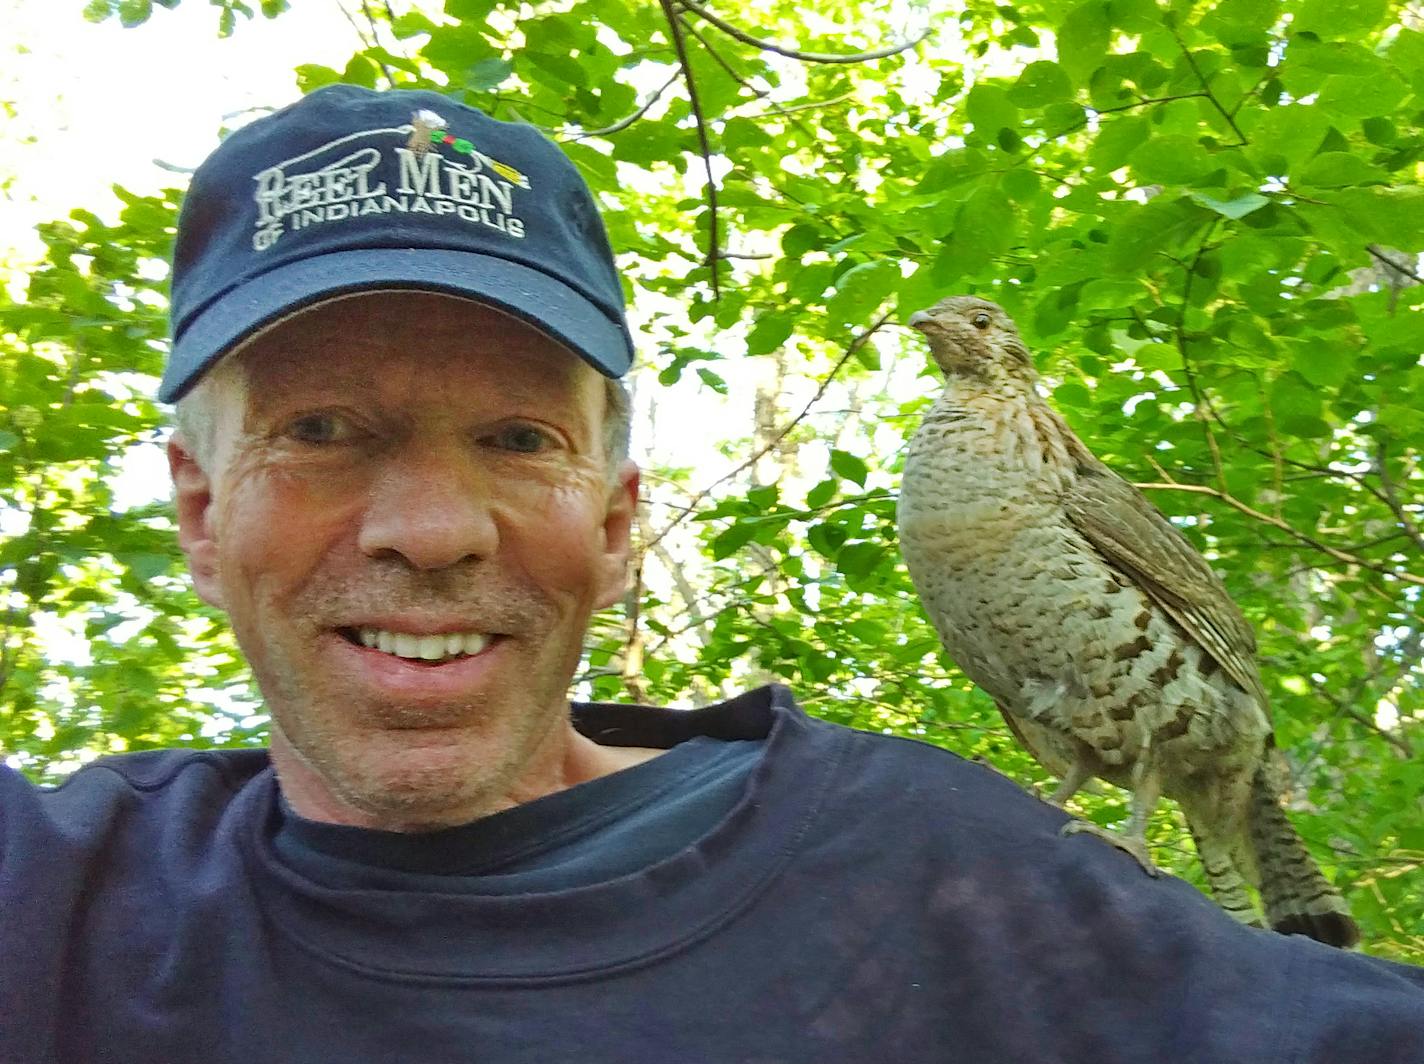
[409, 531]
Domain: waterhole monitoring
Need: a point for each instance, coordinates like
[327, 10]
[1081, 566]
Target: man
[400, 469]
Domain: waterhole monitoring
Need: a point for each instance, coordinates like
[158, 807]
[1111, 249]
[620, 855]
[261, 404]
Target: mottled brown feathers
[1105, 638]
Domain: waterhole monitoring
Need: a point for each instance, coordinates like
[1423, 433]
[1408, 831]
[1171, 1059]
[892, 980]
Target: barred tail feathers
[1298, 899]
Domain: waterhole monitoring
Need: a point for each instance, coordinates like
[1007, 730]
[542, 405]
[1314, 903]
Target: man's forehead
[384, 342]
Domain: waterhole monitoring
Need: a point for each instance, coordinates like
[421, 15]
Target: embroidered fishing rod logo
[344, 179]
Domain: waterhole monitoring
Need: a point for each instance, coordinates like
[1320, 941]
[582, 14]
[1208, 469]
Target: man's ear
[618, 534]
[193, 499]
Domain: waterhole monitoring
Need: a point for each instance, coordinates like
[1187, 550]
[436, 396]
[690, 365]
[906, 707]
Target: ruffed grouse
[1108, 643]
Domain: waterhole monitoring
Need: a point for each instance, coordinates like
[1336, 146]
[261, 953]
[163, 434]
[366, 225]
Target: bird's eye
[981, 320]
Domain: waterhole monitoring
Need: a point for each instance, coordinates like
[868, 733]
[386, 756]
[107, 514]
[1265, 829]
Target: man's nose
[430, 507]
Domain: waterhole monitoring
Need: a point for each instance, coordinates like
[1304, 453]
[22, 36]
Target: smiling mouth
[435, 649]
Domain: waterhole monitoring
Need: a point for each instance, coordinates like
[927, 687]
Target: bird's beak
[918, 320]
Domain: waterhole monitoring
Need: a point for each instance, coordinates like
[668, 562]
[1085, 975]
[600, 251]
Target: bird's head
[972, 337]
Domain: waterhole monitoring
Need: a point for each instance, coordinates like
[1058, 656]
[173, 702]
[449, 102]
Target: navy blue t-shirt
[813, 894]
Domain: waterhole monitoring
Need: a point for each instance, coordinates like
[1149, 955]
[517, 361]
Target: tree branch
[1399, 742]
[791, 53]
[628, 120]
[1140, 102]
[1179, 331]
[851, 348]
[1291, 530]
[376, 40]
[796, 108]
[1206, 87]
[1399, 268]
[1391, 498]
[713, 238]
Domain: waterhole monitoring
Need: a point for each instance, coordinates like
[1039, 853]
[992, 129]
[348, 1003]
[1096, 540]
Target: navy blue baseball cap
[350, 190]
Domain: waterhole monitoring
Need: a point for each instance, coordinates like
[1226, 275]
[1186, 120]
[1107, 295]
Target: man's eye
[525, 439]
[319, 428]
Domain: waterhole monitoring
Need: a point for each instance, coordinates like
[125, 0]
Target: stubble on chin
[377, 763]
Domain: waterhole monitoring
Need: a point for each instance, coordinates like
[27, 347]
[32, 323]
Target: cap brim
[546, 303]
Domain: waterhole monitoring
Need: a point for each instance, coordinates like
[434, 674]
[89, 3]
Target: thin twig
[376, 39]
[1141, 101]
[632, 670]
[1398, 268]
[814, 105]
[791, 53]
[1206, 86]
[1391, 496]
[1324, 548]
[721, 61]
[628, 120]
[713, 238]
[1180, 332]
[851, 348]
[1269, 73]
[1278, 471]
[1399, 742]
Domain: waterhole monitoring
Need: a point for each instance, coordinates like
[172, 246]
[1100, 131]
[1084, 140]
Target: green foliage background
[1206, 218]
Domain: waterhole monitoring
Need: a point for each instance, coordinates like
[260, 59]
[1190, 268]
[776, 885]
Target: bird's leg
[1146, 789]
[1079, 773]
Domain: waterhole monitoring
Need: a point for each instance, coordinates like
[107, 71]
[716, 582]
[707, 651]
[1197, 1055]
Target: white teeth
[423, 647]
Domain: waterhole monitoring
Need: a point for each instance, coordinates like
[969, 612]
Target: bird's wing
[1134, 536]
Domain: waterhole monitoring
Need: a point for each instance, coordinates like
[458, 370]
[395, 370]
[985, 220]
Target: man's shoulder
[913, 772]
[119, 785]
[148, 770]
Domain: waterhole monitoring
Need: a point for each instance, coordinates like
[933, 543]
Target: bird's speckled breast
[1028, 607]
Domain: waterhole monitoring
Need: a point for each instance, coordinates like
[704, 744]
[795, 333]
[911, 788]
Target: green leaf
[1339, 19]
[360, 71]
[1297, 406]
[411, 24]
[146, 566]
[990, 109]
[822, 493]
[727, 543]
[799, 239]
[1334, 169]
[1083, 39]
[1235, 208]
[1145, 233]
[849, 467]
[311, 77]
[860, 290]
[135, 12]
[1040, 84]
[1242, 22]
[488, 74]
[712, 380]
[1291, 133]
[772, 329]
[1116, 141]
[1170, 160]
[860, 559]
[470, 11]
[1361, 97]
[1321, 363]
